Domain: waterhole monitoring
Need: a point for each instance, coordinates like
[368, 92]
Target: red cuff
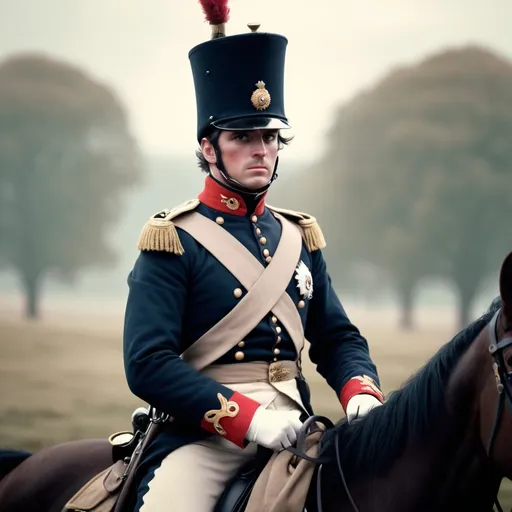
[362, 384]
[233, 426]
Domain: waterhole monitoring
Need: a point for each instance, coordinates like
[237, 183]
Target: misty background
[337, 52]
[402, 123]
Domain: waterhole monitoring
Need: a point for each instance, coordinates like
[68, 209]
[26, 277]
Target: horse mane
[371, 445]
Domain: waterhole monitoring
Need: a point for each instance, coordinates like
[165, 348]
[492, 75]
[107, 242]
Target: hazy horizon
[336, 49]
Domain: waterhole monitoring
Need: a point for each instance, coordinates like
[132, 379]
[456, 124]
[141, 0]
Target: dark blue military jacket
[175, 298]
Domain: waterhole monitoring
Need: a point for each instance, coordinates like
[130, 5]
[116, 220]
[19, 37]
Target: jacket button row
[239, 356]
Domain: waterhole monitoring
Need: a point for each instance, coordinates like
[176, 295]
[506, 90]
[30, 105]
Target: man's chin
[255, 183]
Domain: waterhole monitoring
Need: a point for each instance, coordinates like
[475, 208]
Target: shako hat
[238, 79]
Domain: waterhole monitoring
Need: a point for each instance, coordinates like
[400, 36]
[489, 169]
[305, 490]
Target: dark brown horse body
[46, 480]
[425, 449]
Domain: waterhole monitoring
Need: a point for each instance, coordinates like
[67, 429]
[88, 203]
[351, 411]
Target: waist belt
[257, 371]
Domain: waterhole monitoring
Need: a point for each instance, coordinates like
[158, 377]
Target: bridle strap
[497, 416]
[502, 382]
[496, 348]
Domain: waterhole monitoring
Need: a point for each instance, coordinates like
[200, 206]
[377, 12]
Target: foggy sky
[335, 49]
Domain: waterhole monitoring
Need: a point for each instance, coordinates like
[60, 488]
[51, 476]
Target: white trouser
[192, 478]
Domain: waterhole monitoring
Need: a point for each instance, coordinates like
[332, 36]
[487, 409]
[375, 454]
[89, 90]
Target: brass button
[239, 356]
[277, 351]
[232, 202]
[278, 339]
[301, 304]
[237, 292]
[268, 259]
[274, 319]
[219, 220]
[278, 330]
[241, 344]
[263, 240]
[266, 252]
[258, 231]
[254, 218]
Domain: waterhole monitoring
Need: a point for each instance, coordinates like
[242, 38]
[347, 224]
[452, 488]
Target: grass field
[62, 378]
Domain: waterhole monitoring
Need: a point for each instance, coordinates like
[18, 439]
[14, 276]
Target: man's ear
[208, 151]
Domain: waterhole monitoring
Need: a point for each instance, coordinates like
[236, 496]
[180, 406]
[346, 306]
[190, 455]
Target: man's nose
[260, 148]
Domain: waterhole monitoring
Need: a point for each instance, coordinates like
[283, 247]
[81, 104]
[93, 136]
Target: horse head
[496, 395]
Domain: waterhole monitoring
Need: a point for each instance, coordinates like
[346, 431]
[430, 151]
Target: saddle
[113, 489]
[238, 490]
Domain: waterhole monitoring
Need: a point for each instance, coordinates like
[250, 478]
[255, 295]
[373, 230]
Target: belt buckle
[277, 372]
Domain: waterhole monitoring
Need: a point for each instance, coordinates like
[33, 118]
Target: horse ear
[506, 286]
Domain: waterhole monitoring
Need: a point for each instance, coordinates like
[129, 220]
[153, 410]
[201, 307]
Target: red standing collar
[224, 200]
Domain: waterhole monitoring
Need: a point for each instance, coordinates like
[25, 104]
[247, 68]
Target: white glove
[360, 405]
[274, 429]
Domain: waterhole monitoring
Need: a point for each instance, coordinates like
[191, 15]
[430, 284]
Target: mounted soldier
[226, 290]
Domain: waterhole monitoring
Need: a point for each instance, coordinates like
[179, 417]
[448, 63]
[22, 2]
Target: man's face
[249, 157]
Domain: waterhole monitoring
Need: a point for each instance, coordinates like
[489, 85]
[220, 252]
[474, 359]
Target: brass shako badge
[260, 98]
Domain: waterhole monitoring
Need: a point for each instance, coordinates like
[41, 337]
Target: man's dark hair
[213, 137]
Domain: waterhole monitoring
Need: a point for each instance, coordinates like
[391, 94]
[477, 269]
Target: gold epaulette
[160, 234]
[311, 231]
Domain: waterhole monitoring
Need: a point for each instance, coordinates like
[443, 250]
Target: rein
[308, 428]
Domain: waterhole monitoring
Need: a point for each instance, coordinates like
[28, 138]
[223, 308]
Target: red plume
[216, 11]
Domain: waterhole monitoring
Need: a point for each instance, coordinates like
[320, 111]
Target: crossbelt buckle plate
[277, 372]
